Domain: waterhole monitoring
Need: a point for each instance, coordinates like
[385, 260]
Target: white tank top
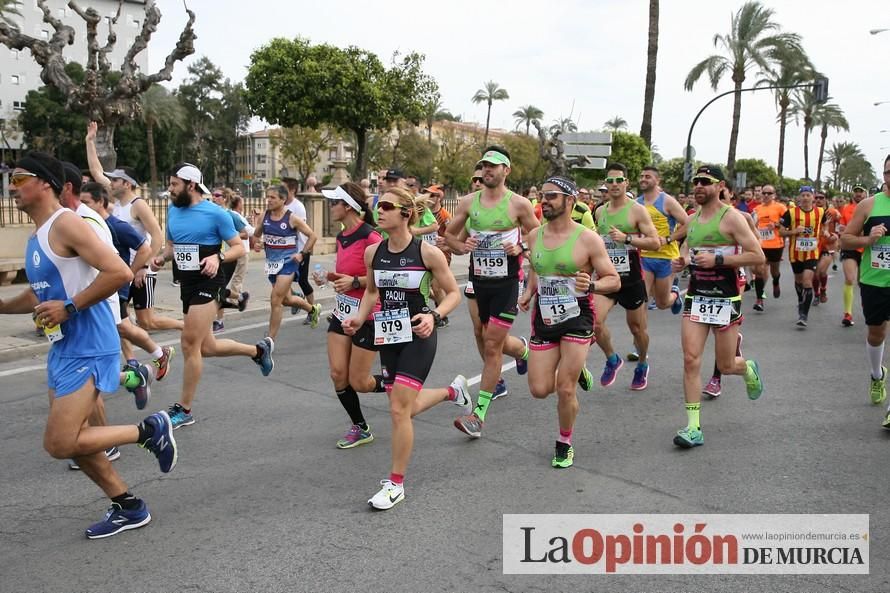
[125, 212]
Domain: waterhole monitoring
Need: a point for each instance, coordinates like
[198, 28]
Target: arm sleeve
[786, 220]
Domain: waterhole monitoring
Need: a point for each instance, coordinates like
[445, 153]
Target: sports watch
[70, 308]
[355, 283]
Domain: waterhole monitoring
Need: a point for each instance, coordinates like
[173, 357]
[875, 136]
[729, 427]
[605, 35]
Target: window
[14, 79]
[44, 34]
[261, 159]
[18, 105]
[260, 144]
[332, 154]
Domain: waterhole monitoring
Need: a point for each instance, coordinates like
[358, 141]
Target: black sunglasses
[703, 181]
[477, 180]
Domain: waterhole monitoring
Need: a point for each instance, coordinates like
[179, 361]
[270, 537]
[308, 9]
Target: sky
[584, 59]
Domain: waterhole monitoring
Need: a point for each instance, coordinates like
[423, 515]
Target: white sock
[875, 357]
[157, 353]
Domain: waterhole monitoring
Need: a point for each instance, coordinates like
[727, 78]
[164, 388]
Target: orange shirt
[832, 217]
[767, 214]
[846, 216]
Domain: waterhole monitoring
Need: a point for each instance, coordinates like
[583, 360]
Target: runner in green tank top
[868, 229]
[626, 227]
[718, 242]
[494, 218]
[564, 257]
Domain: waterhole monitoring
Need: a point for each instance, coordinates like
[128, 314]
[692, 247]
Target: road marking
[20, 370]
[506, 367]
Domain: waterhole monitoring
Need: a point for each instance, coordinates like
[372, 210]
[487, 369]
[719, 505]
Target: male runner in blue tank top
[72, 273]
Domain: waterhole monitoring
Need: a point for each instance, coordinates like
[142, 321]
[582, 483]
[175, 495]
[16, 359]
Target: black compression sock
[126, 501]
[349, 399]
[145, 432]
[807, 300]
[758, 287]
[379, 387]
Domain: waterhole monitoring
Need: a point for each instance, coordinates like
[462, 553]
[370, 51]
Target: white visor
[338, 193]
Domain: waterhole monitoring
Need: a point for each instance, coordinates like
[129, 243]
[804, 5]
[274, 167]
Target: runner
[279, 230]
[494, 218]
[717, 232]
[195, 229]
[804, 224]
[867, 230]
[443, 217]
[850, 258]
[564, 256]
[768, 216]
[121, 184]
[294, 204]
[625, 227]
[405, 328]
[350, 357]
[828, 242]
[669, 219]
[233, 299]
[72, 273]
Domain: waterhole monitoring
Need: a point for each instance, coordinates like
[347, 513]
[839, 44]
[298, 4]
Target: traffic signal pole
[820, 86]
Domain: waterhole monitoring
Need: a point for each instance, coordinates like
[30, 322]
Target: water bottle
[320, 276]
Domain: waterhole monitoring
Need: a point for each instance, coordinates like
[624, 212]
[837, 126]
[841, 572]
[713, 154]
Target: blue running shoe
[521, 363]
[118, 519]
[610, 372]
[500, 390]
[266, 347]
[161, 441]
[641, 377]
[142, 392]
[179, 417]
[677, 305]
[687, 438]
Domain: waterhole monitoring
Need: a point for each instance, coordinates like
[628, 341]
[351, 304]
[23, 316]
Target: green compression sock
[482, 405]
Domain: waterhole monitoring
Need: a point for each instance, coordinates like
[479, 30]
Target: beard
[552, 213]
[182, 199]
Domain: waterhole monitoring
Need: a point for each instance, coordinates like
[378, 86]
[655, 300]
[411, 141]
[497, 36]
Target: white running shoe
[389, 496]
[463, 399]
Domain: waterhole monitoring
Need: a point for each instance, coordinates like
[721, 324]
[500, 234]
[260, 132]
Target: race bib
[468, 289]
[710, 310]
[186, 257]
[557, 300]
[345, 306]
[274, 267]
[805, 243]
[392, 326]
[618, 254]
[767, 234]
[430, 238]
[490, 263]
[880, 256]
[53, 334]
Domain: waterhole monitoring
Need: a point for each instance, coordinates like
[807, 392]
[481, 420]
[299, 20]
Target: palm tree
[803, 108]
[434, 111]
[651, 59]
[753, 36]
[792, 67]
[616, 123]
[563, 126]
[7, 9]
[828, 115]
[491, 93]
[839, 155]
[160, 109]
[526, 115]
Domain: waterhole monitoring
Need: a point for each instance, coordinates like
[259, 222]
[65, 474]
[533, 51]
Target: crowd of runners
[564, 255]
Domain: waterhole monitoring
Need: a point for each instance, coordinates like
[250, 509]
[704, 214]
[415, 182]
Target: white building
[19, 73]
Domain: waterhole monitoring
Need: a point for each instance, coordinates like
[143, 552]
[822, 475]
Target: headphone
[406, 213]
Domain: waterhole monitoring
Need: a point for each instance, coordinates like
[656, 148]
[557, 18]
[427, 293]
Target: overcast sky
[586, 59]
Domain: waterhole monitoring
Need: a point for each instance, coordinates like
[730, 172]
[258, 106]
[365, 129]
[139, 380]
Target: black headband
[39, 168]
[566, 185]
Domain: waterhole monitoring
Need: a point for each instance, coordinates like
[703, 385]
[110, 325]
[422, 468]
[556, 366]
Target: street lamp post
[880, 103]
[876, 31]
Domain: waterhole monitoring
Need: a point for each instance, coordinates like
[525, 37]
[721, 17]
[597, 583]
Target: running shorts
[798, 267]
[408, 363]
[144, 298]
[67, 375]
[875, 303]
[658, 266]
[497, 301]
[630, 296]
[774, 255]
[363, 338]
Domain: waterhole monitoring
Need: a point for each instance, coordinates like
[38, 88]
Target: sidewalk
[19, 340]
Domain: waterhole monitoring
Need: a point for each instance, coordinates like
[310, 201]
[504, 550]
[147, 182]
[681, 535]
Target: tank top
[402, 279]
[125, 212]
[558, 299]
[351, 245]
[493, 227]
[875, 267]
[280, 239]
[664, 225]
[719, 281]
[805, 246]
[91, 331]
[625, 258]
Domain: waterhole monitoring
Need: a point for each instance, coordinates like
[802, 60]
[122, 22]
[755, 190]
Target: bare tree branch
[104, 64]
[149, 26]
[64, 35]
[184, 48]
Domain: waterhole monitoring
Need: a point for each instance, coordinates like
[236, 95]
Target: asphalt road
[262, 500]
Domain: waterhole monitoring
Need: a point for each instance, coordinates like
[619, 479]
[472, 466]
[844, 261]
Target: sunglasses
[616, 179]
[703, 181]
[388, 206]
[217, 195]
[20, 179]
[552, 195]
[768, 193]
[477, 180]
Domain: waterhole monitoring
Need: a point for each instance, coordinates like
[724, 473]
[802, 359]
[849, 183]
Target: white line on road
[507, 366]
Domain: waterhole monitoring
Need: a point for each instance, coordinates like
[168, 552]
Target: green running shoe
[878, 389]
[753, 380]
[688, 438]
[314, 314]
[564, 457]
[585, 380]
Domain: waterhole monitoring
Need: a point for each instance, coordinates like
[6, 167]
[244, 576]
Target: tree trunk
[734, 134]
[806, 151]
[821, 157]
[651, 59]
[361, 149]
[105, 147]
[152, 158]
[783, 123]
[487, 120]
[528, 124]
